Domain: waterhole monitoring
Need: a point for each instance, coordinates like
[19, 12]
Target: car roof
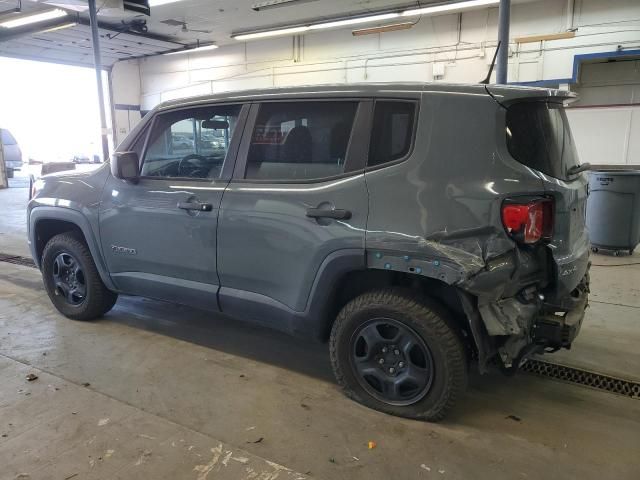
[407, 89]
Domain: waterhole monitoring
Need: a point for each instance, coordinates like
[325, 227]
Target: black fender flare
[333, 268]
[78, 219]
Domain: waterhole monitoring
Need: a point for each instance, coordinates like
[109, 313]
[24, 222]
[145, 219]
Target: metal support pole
[95, 40]
[504, 15]
[570, 9]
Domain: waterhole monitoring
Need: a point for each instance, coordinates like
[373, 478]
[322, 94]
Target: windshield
[7, 138]
[538, 136]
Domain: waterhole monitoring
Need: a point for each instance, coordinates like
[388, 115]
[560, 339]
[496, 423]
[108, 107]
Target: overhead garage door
[606, 119]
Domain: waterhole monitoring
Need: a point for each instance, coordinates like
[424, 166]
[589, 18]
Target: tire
[96, 300]
[419, 318]
[10, 173]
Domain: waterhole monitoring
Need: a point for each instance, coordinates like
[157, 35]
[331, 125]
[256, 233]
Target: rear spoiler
[506, 94]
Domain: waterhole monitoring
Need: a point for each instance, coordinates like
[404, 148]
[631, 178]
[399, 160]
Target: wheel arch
[46, 222]
[353, 282]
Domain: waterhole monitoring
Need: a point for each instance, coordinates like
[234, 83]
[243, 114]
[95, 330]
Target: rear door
[297, 202]
[159, 235]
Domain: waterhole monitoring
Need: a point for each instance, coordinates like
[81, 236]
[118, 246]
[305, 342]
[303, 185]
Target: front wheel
[72, 280]
[395, 351]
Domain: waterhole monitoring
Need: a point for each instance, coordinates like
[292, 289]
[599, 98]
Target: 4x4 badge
[128, 251]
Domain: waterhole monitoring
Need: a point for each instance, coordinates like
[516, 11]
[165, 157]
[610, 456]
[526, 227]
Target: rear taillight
[528, 222]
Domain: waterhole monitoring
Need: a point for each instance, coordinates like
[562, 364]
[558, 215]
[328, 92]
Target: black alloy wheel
[72, 280]
[398, 351]
[69, 279]
[391, 361]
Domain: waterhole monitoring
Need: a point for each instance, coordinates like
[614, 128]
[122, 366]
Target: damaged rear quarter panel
[440, 210]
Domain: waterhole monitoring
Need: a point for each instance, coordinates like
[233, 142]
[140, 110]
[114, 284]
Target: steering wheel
[187, 167]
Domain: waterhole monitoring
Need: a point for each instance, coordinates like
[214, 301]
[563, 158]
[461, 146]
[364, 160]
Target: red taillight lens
[528, 222]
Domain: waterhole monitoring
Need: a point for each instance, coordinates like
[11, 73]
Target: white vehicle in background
[12, 152]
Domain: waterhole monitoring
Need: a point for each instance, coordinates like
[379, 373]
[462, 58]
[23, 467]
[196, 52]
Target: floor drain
[627, 388]
[17, 260]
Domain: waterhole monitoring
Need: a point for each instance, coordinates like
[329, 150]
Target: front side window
[392, 131]
[300, 140]
[190, 143]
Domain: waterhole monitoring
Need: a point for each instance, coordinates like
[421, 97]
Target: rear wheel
[72, 280]
[10, 173]
[395, 351]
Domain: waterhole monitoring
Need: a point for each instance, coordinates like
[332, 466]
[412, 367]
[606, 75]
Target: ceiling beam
[118, 28]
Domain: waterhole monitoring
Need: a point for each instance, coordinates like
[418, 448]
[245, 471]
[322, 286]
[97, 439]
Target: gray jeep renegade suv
[419, 228]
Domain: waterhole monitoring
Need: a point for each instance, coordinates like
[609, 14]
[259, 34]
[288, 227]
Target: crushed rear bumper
[557, 330]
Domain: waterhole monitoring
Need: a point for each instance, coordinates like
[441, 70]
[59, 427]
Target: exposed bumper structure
[557, 330]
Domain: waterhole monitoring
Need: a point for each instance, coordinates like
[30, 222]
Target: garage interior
[163, 391]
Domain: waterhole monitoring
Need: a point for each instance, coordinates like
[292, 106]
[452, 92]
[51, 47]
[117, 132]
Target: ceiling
[216, 20]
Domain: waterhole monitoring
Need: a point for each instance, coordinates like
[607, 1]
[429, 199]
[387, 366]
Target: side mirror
[125, 165]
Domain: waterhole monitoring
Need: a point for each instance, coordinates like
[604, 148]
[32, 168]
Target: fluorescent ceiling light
[193, 50]
[353, 21]
[270, 33]
[60, 27]
[34, 18]
[157, 3]
[450, 7]
[383, 28]
[277, 4]
[317, 26]
[446, 8]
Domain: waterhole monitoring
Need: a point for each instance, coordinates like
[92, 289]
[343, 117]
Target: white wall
[464, 44]
[125, 92]
[606, 119]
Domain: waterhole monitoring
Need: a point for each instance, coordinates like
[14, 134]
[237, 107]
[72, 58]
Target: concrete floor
[178, 393]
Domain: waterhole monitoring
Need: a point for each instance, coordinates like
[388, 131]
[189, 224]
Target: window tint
[300, 140]
[7, 138]
[190, 143]
[538, 136]
[392, 131]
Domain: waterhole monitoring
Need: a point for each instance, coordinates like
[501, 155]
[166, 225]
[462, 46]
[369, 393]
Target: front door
[159, 235]
[297, 201]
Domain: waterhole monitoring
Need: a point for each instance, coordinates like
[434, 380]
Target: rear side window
[300, 140]
[538, 136]
[7, 138]
[392, 131]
